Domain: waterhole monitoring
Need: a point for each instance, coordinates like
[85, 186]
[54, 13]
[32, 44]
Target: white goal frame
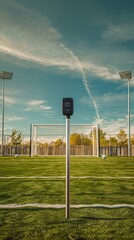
[34, 135]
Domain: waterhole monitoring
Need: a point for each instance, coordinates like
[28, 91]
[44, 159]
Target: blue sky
[67, 48]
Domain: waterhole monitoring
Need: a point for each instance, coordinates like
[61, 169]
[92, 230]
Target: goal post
[50, 139]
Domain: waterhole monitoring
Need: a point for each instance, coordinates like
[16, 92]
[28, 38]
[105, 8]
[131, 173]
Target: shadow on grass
[57, 216]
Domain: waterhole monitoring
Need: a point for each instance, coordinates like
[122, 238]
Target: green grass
[109, 182]
[50, 224]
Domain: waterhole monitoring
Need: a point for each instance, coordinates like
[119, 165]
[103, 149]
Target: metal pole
[67, 168]
[128, 117]
[31, 143]
[93, 139]
[2, 139]
[97, 139]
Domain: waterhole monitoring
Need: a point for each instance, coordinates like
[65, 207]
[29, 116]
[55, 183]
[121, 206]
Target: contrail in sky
[80, 68]
[33, 39]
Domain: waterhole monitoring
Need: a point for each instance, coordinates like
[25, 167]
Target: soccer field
[32, 198]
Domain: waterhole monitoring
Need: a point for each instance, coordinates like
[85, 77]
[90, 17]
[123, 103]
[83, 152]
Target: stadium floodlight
[127, 75]
[4, 76]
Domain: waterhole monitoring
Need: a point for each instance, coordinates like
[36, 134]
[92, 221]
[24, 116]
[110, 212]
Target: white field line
[63, 177]
[31, 177]
[60, 206]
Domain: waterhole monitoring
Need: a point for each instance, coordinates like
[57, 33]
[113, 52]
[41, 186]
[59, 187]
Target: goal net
[50, 139]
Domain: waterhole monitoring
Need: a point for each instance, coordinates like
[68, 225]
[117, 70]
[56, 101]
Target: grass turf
[30, 223]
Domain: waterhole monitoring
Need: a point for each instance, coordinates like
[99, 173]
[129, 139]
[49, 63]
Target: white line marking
[30, 177]
[72, 177]
[60, 206]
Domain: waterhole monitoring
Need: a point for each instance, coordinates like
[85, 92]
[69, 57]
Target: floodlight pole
[4, 75]
[127, 75]
[67, 167]
[2, 139]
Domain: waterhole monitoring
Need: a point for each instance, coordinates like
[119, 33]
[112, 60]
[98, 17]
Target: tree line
[77, 139]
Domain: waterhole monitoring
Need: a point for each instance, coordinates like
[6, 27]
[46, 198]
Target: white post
[93, 140]
[31, 140]
[34, 140]
[67, 168]
[97, 139]
[129, 117]
[2, 140]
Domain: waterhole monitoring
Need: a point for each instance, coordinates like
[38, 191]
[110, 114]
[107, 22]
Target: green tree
[58, 142]
[103, 140]
[85, 140]
[75, 139]
[16, 137]
[122, 138]
[46, 144]
[113, 141]
[132, 139]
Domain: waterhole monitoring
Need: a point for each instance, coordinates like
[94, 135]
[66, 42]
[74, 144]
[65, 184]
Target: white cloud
[36, 102]
[114, 98]
[105, 73]
[37, 105]
[113, 126]
[11, 118]
[9, 100]
[119, 33]
[49, 113]
[110, 99]
[46, 49]
[14, 118]
[85, 101]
